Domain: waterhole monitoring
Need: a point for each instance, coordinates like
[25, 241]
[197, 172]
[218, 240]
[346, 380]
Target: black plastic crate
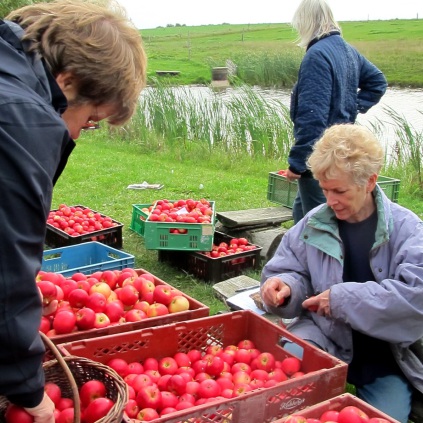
[56, 238]
[213, 269]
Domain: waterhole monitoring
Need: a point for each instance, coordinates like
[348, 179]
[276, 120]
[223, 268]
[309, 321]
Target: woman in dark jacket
[335, 83]
[62, 64]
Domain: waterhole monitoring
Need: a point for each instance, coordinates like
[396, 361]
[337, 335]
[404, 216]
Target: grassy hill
[394, 46]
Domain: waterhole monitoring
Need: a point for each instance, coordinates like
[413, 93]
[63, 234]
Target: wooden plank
[255, 217]
[169, 72]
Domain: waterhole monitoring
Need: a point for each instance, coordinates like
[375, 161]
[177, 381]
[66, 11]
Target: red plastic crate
[325, 375]
[213, 269]
[196, 310]
[337, 404]
[56, 238]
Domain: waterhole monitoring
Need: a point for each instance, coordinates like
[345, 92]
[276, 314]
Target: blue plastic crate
[87, 258]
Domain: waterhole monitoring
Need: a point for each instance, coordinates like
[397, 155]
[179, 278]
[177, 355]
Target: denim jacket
[335, 82]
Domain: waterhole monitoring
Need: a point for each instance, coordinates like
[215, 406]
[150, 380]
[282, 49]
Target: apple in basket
[16, 414]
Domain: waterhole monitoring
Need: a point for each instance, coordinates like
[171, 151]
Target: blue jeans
[390, 394]
[309, 196]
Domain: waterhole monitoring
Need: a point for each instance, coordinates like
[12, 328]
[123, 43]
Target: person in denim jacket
[350, 273]
[335, 83]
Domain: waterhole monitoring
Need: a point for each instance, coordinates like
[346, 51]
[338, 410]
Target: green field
[394, 46]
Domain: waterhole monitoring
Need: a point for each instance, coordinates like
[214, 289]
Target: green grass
[394, 46]
[101, 168]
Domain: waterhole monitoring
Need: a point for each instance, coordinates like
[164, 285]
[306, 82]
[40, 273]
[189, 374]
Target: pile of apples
[102, 299]
[161, 386]
[94, 404]
[235, 246]
[347, 414]
[180, 211]
[76, 221]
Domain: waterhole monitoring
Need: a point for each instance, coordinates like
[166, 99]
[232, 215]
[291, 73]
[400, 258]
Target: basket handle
[58, 356]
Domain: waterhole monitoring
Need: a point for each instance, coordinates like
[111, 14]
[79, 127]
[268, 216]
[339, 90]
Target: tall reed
[243, 121]
[269, 69]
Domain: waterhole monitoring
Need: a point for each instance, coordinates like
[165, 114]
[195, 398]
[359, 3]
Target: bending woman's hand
[319, 303]
[274, 291]
[43, 412]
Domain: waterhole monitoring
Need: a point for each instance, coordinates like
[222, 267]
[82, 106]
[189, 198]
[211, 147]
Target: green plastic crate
[283, 192]
[280, 190]
[390, 186]
[157, 235]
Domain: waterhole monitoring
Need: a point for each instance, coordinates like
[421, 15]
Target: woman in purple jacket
[335, 83]
[350, 273]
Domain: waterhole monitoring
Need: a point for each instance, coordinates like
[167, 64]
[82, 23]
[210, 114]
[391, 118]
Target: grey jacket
[310, 260]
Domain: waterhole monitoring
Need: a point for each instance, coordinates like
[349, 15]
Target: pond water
[403, 104]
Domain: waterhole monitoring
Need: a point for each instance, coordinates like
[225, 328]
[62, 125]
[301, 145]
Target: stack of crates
[185, 250]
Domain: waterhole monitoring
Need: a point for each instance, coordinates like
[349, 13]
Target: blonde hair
[96, 43]
[346, 148]
[313, 19]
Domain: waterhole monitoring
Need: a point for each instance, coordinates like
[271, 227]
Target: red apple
[352, 414]
[329, 416]
[149, 397]
[194, 355]
[266, 361]
[151, 363]
[97, 409]
[78, 298]
[290, 365]
[135, 315]
[147, 414]
[66, 415]
[85, 318]
[119, 365]
[182, 359]
[169, 399]
[162, 294]
[97, 302]
[45, 324]
[114, 310]
[128, 295]
[101, 321]
[91, 390]
[135, 367]
[64, 322]
[141, 381]
[15, 414]
[176, 384]
[157, 309]
[53, 391]
[109, 277]
[209, 388]
[48, 290]
[132, 409]
[65, 403]
[167, 366]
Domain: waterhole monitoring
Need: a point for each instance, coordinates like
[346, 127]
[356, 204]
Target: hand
[291, 176]
[50, 308]
[319, 303]
[274, 291]
[44, 412]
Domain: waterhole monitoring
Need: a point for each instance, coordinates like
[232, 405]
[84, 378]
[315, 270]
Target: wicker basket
[71, 372]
